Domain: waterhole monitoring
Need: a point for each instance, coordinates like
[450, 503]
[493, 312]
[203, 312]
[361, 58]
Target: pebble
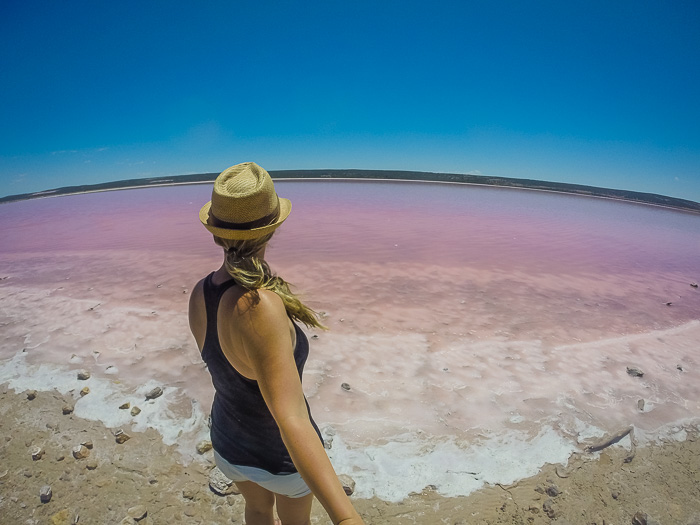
[204, 446]
[67, 409]
[220, 484]
[694, 285]
[156, 392]
[640, 405]
[348, 484]
[84, 375]
[549, 510]
[552, 491]
[87, 444]
[84, 391]
[91, 465]
[124, 406]
[80, 452]
[135, 411]
[60, 457]
[138, 512]
[345, 386]
[634, 372]
[45, 494]
[121, 436]
[37, 453]
[640, 518]
[31, 395]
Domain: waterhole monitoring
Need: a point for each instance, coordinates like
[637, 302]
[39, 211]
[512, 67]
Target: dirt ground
[660, 485]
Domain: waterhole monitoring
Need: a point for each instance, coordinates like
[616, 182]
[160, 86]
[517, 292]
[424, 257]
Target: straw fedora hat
[244, 204]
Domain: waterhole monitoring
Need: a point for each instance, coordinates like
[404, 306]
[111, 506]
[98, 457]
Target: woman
[243, 319]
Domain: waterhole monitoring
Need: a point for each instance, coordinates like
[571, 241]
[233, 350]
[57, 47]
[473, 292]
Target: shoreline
[657, 200]
[661, 481]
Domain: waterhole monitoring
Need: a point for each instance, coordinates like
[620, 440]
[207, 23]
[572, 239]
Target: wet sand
[662, 481]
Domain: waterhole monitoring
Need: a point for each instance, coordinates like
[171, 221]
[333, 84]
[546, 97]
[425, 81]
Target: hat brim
[253, 233]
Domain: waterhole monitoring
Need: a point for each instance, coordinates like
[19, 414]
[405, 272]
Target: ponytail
[254, 274]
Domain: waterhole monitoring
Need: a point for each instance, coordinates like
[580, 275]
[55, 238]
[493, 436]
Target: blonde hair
[253, 273]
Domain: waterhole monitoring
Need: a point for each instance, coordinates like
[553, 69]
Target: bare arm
[263, 331]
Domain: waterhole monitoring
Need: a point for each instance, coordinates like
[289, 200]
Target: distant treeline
[507, 182]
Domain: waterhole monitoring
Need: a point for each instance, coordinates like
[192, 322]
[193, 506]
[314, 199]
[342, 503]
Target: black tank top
[243, 430]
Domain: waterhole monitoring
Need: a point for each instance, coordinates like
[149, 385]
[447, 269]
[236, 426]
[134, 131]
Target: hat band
[257, 223]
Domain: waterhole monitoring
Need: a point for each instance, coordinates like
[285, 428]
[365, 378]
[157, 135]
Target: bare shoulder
[260, 306]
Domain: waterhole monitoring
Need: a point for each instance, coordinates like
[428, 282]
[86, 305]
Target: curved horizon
[652, 199]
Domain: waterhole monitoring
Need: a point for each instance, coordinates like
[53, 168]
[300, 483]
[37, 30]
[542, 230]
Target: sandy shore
[661, 482]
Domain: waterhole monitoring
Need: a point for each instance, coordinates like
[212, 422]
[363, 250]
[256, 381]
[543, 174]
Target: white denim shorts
[290, 485]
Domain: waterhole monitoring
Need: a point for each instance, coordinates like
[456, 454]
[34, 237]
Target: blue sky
[600, 93]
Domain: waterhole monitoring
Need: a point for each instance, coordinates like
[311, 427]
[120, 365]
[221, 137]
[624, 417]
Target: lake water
[483, 331]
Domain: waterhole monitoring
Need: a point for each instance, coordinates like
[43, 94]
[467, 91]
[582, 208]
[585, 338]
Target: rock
[87, 444]
[45, 493]
[84, 375]
[135, 411]
[124, 406]
[84, 391]
[315, 336]
[128, 521]
[220, 484]
[121, 436]
[669, 303]
[640, 405]
[91, 465]
[345, 386]
[156, 392]
[31, 395]
[203, 446]
[138, 512]
[615, 494]
[67, 409]
[549, 510]
[60, 457]
[694, 285]
[640, 518]
[552, 491]
[80, 452]
[37, 453]
[679, 368]
[634, 372]
[348, 484]
[62, 517]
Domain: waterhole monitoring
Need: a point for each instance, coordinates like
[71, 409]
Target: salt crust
[390, 471]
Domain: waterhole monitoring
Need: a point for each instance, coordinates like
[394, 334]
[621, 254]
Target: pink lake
[482, 330]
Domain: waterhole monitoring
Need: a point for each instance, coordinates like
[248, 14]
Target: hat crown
[243, 193]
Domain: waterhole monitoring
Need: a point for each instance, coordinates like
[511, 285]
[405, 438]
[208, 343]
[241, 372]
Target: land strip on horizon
[483, 180]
